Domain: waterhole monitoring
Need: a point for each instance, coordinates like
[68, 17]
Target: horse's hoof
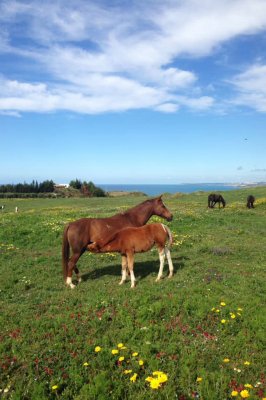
[133, 286]
[72, 286]
[121, 282]
[158, 279]
[170, 276]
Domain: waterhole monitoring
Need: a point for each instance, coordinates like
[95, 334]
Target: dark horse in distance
[79, 234]
[214, 198]
[250, 201]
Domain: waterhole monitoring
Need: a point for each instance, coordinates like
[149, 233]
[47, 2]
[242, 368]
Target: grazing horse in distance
[250, 201]
[214, 198]
[79, 234]
[131, 240]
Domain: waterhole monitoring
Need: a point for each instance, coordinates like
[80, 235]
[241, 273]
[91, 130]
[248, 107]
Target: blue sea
[157, 189]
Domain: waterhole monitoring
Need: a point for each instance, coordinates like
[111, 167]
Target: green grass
[48, 331]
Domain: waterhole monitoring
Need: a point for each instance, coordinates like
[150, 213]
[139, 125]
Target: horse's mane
[137, 207]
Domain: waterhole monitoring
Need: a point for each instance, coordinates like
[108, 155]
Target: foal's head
[160, 209]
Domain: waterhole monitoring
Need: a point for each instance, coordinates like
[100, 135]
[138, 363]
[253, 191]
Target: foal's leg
[130, 263]
[124, 269]
[161, 257]
[169, 259]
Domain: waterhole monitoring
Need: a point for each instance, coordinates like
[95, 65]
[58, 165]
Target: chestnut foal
[129, 241]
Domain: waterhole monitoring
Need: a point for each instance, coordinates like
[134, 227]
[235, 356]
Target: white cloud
[251, 88]
[167, 107]
[101, 56]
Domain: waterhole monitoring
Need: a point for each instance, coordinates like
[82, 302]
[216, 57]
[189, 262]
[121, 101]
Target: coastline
[157, 189]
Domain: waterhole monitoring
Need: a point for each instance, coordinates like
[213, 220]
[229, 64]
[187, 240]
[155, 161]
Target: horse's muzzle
[169, 218]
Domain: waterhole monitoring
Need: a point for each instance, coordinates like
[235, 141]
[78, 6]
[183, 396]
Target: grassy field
[203, 330]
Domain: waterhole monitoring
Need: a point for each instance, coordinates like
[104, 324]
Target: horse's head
[160, 209]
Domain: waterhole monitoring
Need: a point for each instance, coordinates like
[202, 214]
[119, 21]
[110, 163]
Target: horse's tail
[169, 233]
[65, 252]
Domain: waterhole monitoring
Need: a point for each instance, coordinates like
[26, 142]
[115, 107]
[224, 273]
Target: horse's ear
[160, 197]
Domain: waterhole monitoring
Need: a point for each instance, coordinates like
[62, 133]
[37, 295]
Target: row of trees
[87, 188]
[34, 189]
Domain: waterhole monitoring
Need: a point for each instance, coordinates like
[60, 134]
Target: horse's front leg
[161, 257]
[124, 269]
[130, 263]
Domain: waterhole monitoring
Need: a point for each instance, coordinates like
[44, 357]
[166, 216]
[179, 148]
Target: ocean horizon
[157, 189]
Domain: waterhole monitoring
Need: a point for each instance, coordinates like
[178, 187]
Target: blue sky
[133, 92]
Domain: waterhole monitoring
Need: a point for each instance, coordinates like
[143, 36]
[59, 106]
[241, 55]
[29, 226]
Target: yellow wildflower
[154, 384]
[199, 379]
[244, 394]
[127, 371]
[123, 348]
[233, 316]
[246, 363]
[240, 309]
[234, 393]
[162, 378]
[54, 387]
[133, 377]
[120, 345]
[222, 303]
[121, 359]
[135, 354]
[248, 385]
[115, 351]
[226, 360]
[97, 349]
[85, 364]
[141, 362]
[223, 321]
[149, 379]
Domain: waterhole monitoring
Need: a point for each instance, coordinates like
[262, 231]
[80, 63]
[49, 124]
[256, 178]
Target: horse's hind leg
[77, 274]
[161, 257]
[72, 266]
[170, 263]
[124, 270]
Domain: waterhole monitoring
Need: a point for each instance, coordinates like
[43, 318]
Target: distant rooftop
[61, 185]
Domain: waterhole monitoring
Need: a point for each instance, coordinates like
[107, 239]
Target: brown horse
[80, 233]
[129, 241]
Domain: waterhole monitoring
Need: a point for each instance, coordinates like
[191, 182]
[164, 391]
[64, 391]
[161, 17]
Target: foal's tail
[65, 252]
[169, 233]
